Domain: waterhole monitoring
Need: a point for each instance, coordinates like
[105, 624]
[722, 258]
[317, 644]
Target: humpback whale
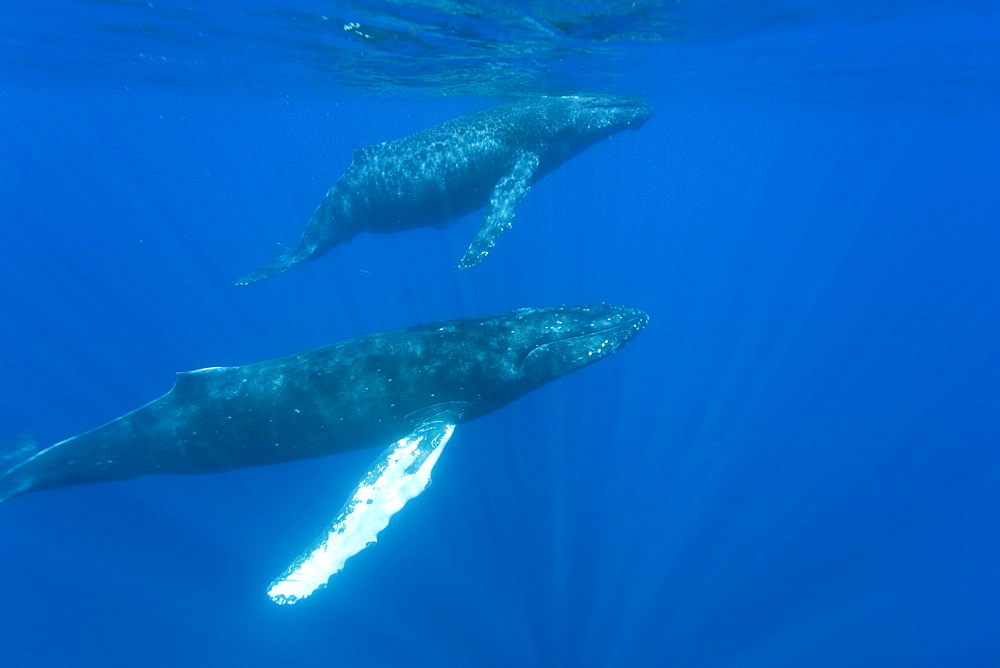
[406, 389]
[489, 158]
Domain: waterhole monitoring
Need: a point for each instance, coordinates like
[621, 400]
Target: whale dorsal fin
[507, 194]
[190, 382]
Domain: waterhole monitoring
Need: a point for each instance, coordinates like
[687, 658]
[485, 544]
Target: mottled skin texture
[362, 393]
[489, 158]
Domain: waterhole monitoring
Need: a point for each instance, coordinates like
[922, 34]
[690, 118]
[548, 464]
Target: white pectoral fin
[507, 194]
[400, 473]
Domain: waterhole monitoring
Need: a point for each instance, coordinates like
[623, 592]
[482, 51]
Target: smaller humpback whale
[489, 158]
[406, 389]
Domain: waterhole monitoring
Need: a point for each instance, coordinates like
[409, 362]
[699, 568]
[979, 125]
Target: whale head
[600, 116]
[571, 123]
[484, 363]
[552, 342]
[510, 354]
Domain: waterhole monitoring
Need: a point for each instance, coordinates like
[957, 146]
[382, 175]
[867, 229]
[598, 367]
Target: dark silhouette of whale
[406, 388]
[489, 158]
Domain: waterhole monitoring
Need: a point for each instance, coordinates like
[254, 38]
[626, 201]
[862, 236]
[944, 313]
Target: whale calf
[489, 158]
[406, 389]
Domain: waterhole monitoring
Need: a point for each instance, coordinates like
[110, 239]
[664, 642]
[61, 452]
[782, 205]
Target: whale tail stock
[12, 456]
[285, 257]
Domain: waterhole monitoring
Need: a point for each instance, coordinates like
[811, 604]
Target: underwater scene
[476, 333]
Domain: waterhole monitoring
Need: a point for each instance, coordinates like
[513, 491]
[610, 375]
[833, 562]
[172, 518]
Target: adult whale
[408, 388]
[433, 177]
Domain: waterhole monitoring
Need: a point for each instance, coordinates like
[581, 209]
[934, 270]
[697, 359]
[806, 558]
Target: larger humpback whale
[489, 158]
[407, 389]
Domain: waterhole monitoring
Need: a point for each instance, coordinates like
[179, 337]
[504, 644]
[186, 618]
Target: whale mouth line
[635, 322]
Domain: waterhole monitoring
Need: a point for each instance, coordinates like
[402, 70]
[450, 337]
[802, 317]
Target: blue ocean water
[796, 464]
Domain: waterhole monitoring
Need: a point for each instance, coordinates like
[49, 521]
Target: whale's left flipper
[507, 194]
[399, 474]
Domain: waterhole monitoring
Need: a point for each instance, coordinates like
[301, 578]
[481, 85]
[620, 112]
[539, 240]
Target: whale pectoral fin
[285, 257]
[507, 194]
[399, 474]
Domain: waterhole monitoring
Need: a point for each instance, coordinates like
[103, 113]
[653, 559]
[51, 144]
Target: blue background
[795, 464]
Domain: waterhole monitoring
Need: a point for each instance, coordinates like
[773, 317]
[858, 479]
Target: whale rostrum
[489, 158]
[403, 390]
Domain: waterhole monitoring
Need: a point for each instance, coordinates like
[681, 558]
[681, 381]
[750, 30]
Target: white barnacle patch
[400, 473]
